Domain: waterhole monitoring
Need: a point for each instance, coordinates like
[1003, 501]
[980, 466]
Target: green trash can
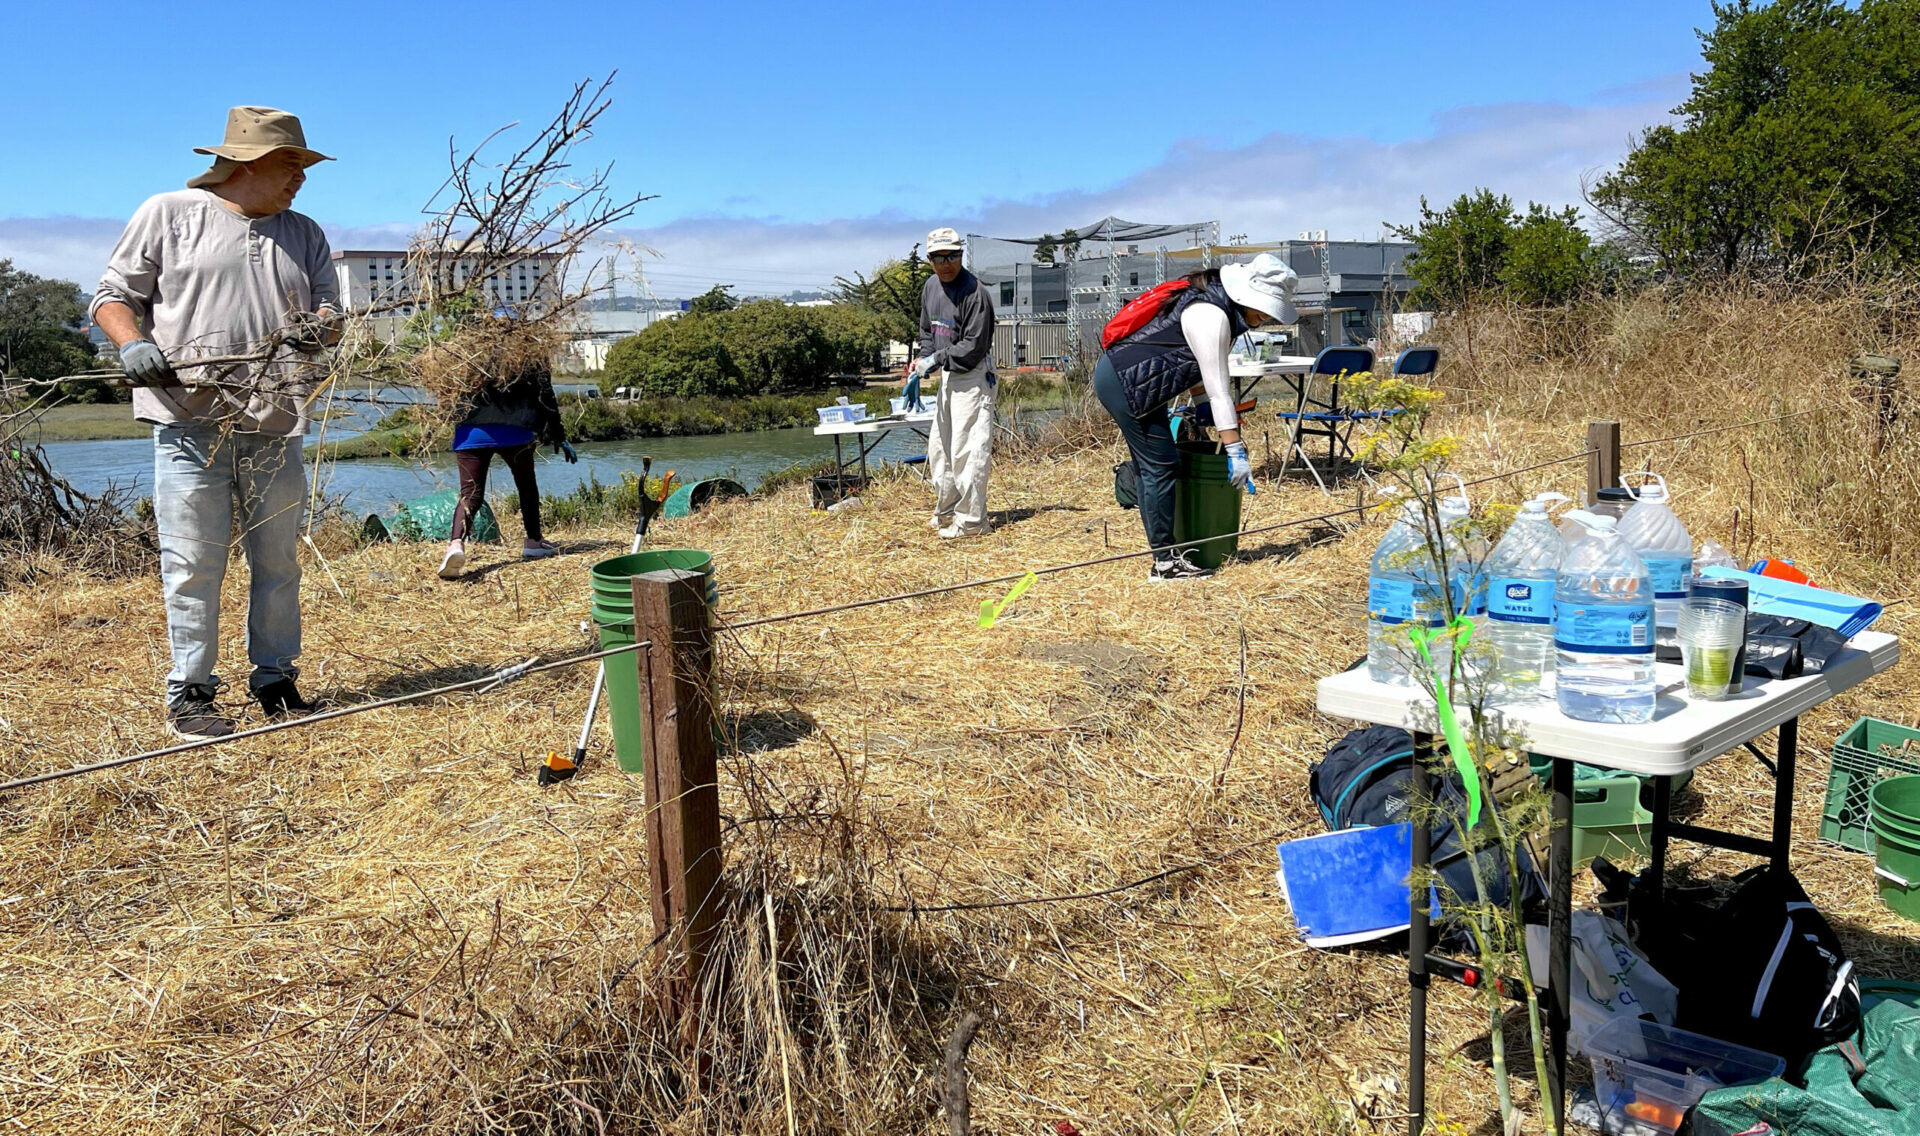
[1205, 504]
[613, 617]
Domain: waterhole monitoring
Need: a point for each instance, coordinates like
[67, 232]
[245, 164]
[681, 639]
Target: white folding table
[1682, 736]
[868, 433]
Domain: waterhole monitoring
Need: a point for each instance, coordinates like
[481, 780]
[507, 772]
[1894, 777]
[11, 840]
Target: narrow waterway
[364, 485]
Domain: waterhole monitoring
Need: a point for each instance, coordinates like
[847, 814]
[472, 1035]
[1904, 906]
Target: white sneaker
[952, 532]
[937, 523]
[453, 561]
[539, 550]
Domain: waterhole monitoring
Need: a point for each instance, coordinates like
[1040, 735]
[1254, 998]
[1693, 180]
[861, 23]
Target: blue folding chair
[1325, 415]
[1416, 361]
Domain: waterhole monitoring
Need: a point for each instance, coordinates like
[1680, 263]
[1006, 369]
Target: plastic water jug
[1466, 554]
[1603, 628]
[1664, 546]
[1404, 591]
[1613, 501]
[1521, 576]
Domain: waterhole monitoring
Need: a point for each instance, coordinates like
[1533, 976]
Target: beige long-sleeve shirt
[204, 280]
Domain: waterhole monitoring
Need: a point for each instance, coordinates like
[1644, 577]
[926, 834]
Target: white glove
[924, 367]
[1240, 468]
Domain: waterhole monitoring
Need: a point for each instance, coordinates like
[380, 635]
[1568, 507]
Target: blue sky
[789, 142]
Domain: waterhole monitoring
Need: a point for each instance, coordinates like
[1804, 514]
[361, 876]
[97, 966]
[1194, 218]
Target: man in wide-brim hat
[225, 267]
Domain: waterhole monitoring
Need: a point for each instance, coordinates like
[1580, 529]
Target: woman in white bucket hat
[1183, 344]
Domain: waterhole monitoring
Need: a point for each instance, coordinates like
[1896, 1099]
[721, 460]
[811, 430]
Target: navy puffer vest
[1155, 364]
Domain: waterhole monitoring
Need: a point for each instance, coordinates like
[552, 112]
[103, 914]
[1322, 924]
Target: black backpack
[1758, 965]
[1363, 782]
[1126, 485]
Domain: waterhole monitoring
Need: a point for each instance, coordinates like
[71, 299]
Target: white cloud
[1271, 188]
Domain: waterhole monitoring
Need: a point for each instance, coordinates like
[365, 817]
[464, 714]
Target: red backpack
[1138, 313]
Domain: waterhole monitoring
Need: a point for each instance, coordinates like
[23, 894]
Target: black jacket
[528, 402]
[1154, 364]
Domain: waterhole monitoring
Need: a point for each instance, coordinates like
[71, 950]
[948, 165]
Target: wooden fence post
[1603, 458]
[683, 794]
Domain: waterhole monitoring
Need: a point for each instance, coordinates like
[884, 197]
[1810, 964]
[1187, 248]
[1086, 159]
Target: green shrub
[760, 347]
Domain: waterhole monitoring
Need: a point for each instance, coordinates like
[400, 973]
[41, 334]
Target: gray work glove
[145, 365]
[309, 332]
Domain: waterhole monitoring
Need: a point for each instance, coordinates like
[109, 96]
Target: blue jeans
[200, 474]
[1155, 458]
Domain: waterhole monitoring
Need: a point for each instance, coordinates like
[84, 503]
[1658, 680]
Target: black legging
[473, 485]
[1155, 458]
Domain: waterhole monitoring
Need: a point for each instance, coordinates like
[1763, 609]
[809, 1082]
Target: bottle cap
[1614, 493]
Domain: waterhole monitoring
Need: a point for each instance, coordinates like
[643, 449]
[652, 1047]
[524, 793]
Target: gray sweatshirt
[203, 280]
[956, 323]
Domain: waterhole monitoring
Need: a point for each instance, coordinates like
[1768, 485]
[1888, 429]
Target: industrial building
[1348, 289]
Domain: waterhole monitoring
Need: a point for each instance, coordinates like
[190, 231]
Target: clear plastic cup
[1711, 632]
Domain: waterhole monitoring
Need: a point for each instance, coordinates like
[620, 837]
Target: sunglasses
[943, 257]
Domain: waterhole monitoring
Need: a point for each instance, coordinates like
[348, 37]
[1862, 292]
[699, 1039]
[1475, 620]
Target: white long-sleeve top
[1209, 336]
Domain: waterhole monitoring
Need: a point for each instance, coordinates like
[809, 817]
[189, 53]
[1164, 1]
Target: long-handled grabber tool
[648, 507]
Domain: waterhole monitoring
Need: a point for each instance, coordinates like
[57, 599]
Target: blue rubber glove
[567, 452]
[912, 393]
[144, 364]
[1240, 468]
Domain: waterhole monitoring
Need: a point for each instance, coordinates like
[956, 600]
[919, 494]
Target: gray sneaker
[192, 715]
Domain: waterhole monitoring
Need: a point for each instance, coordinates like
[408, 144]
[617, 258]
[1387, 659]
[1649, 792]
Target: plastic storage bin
[1652, 1074]
[1858, 765]
[830, 415]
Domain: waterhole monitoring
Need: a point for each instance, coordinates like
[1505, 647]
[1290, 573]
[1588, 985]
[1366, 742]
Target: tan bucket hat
[255, 132]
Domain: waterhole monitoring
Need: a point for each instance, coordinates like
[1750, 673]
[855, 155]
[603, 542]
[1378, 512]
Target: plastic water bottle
[1713, 554]
[1466, 557]
[1403, 591]
[1521, 576]
[1665, 547]
[1603, 628]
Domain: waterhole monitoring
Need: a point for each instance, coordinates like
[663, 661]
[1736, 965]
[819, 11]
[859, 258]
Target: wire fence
[506, 675]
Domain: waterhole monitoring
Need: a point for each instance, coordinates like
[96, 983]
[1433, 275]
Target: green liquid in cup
[1710, 669]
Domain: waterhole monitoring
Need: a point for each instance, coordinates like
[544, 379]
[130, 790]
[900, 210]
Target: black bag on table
[1364, 782]
[1758, 965]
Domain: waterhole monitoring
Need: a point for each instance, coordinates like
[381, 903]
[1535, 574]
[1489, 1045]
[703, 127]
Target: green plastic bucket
[1205, 504]
[1893, 806]
[613, 616]
[1896, 872]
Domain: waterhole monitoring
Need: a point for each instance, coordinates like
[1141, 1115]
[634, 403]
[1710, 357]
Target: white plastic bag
[1610, 978]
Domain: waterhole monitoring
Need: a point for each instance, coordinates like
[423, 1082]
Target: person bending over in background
[956, 337]
[1187, 340]
[509, 420]
[220, 268]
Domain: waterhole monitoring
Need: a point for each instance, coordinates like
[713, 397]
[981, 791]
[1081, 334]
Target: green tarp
[1883, 1101]
[431, 518]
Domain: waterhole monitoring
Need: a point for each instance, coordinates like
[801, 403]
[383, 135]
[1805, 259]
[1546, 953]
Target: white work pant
[960, 449]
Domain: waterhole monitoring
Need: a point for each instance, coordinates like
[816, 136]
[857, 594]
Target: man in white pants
[956, 337]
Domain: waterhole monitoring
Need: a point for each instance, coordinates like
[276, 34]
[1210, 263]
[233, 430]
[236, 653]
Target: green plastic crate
[1858, 765]
[1608, 820]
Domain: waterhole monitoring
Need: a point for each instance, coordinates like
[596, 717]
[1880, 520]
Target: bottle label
[1669, 573]
[1603, 629]
[1403, 601]
[1513, 600]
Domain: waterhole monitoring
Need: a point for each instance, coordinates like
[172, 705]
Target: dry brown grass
[383, 924]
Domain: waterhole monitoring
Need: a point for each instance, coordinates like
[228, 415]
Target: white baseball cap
[943, 240]
[1265, 285]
